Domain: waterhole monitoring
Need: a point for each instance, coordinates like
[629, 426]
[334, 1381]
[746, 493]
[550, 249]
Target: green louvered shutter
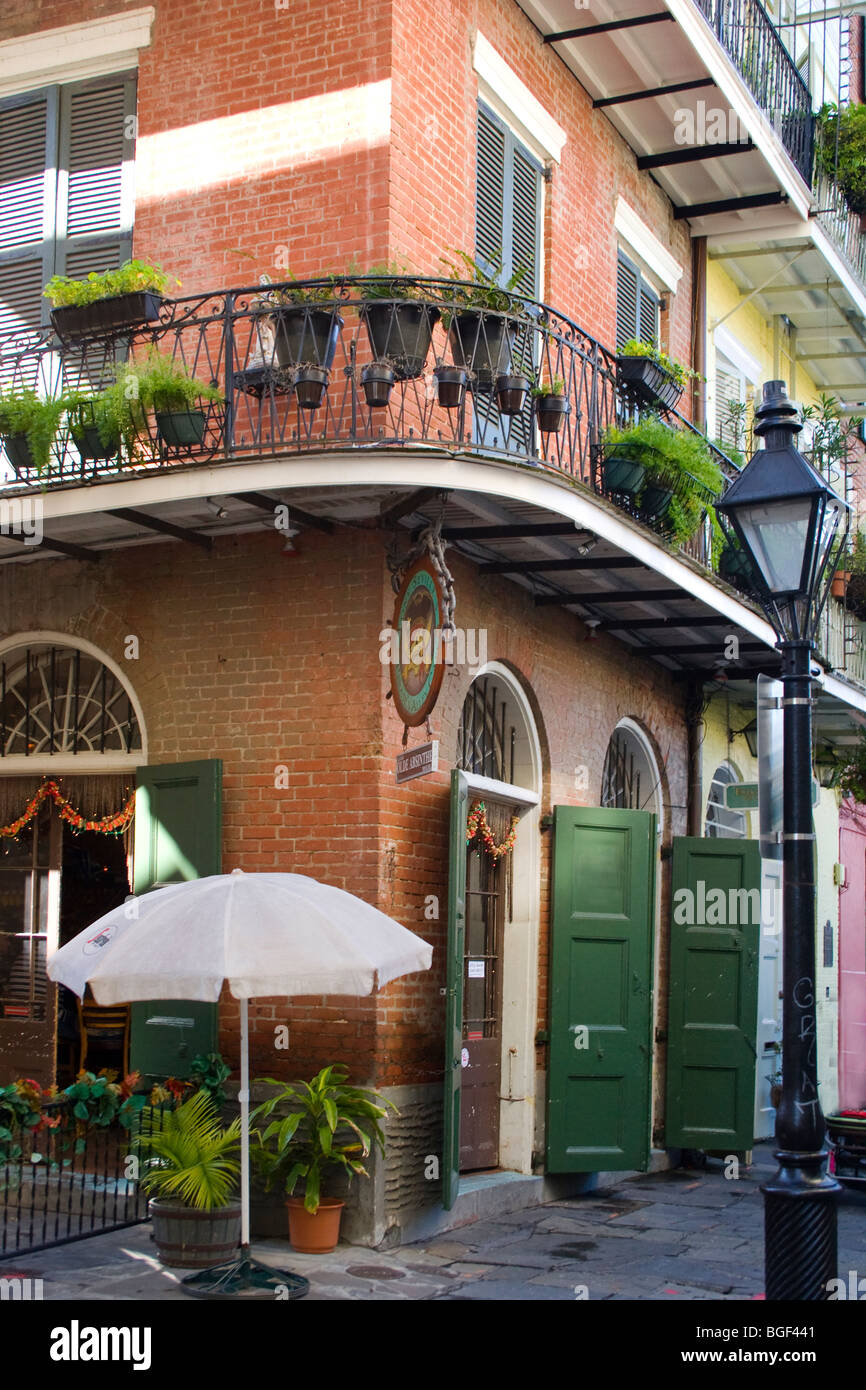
[507, 233]
[637, 305]
[454, 989]
[94, 182]
[27, 207]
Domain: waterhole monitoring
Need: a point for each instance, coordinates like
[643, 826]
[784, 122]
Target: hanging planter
[90, 445]
[623, 473]
[656, 497]
[181, 427]
[450, 385]
[841, 580]
[20, 455]
[734, 566]
[377, 379]
[551, 411]
[482, 343]
[107, 302]
[511, 392]
[306, 334]
[402, 332]
[310, 386]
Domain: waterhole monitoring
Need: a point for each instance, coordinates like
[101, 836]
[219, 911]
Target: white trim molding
[504, 92]
[74, 51]
[644, 246]
[731, 348]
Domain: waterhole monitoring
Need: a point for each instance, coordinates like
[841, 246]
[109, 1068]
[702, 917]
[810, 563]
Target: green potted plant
[330, 1125]
[399, 316]
[161, 384]
[28, 428]
[107, 300]
[840, 151]
[649, 375]
[306, 320]
[552, 406]
[855, 592]
[190, 1169]
[670, 472]
[482, 319]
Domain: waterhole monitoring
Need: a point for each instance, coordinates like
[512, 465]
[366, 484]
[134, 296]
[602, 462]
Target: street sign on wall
[417, 762]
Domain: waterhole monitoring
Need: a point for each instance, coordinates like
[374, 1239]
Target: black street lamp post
[787, 520]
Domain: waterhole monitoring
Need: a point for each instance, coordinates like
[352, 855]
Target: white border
[74, 764]
[74, 51]
[502, 90]
[644, 246]
[730, 347]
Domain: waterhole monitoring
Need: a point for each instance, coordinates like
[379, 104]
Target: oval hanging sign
[417, 671]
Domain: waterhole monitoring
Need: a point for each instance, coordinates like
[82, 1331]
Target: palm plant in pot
[190, 1170]
[400, 316]
[330, 1126]
[483, 319]
[28, 428]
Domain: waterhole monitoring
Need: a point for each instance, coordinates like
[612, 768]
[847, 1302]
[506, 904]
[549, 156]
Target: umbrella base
[245, 1278]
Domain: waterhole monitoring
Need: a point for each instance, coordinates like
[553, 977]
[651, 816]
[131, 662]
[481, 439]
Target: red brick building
[231, 651]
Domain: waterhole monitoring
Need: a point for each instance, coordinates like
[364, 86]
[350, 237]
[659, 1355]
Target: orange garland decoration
[109, 825]
[477, 824]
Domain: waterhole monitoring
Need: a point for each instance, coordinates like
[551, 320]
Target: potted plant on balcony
[671, 473]
[512, 389]
[108, 301]
[377, 379]
[840, 151]
[855, 594]
[552, 406]
[450, 384]
[28, 428]
[400, 316]
[190, 1169]
[307, 321]
[649, 375]
[482, 318]
[163, 385]
[330, 1125]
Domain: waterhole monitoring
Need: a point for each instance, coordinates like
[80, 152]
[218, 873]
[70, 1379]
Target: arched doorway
[71, 737]
[499, 752]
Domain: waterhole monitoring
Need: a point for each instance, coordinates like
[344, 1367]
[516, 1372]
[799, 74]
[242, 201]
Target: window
[25, 863]
[508, 204]
[722, 823]
[637, 305]
[65, 189]
[630, 779]
[58, 700]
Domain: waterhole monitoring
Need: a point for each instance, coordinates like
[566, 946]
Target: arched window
[630, 779]
[493, 739]
[722, 823]
[63, 699]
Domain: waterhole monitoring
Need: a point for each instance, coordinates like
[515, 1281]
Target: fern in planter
[678, 462]
[30, 424]
[840, 151]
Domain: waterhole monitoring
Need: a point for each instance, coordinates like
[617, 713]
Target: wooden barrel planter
[187, 1238]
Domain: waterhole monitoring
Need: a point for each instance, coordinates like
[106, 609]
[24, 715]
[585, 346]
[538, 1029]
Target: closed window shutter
[730, 387]
[27, 189]
[94, 196]
[649, 315]
[626, 303]
[489, 191]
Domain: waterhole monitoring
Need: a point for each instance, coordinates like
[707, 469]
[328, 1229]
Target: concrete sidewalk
[679, 1235]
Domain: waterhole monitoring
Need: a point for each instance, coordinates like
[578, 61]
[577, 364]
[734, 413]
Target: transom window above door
[59, 700]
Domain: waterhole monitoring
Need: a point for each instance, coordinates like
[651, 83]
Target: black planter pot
[310, 386]
[19, 455]
[305, 334]
[401, 332]
[511, 392]
[377, 379]
[622, 473]
[106, 315]
[656, 498]
[90, 446]
[450, 385]
[855, 596]
[181, 427]
[482, 343]
[734, 566]
[187, 1238]
[551, 412]
[644, 380]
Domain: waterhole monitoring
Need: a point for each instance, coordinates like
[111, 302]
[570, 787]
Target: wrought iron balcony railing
[840, 223]
[362, 363]
[749, 37]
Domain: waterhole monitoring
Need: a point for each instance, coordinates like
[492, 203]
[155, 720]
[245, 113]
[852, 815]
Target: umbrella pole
[245, 1129]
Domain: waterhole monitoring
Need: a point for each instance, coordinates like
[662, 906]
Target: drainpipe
[699, 331]
[694, 712]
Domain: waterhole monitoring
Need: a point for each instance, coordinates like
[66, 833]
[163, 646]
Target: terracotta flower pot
[841, 580]
[314, 1233]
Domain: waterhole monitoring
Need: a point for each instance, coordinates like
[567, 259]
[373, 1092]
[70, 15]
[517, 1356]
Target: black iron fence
[362, 363]
[59, 1189]
[749, 37]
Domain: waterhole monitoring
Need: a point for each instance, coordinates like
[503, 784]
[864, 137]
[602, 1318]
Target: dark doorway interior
[482, 1012]
[93, 881]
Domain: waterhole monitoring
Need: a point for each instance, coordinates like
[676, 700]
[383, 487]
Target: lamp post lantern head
[786, 519]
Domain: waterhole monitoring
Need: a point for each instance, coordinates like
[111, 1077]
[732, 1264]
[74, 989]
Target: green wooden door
[601, 973]
[178, 820]
[454, 988]
[712, 1021]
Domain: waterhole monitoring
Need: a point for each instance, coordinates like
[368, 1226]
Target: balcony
[751, 40]
[358, 364]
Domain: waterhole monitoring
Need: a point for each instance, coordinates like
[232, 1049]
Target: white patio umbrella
[263, 934]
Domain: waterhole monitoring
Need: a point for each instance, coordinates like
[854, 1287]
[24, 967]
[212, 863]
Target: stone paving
[679, 1235]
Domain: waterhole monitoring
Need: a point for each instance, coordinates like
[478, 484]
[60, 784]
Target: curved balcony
[361, 363]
